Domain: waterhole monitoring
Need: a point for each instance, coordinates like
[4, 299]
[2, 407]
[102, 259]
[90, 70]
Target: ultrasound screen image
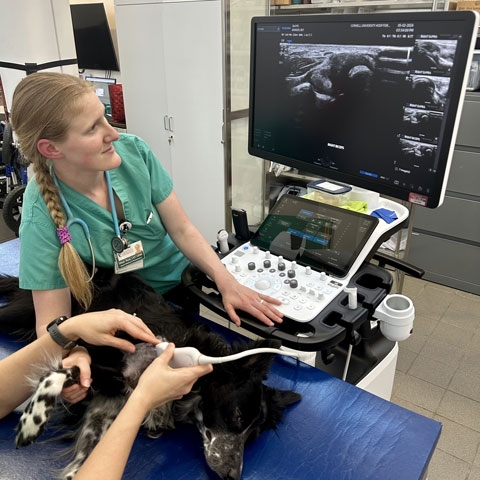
[357, 98]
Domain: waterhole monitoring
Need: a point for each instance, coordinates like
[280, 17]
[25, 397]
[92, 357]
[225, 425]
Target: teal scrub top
[140, 182]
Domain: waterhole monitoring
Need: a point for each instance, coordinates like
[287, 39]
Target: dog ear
[258, 364]
[276, 401]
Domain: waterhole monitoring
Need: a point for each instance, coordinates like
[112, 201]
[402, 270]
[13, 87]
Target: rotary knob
[281, 266]
[267, 263]
[291, 274]
[293, 283]
[251, 265]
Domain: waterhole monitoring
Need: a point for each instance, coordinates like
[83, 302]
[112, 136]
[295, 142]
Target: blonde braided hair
[43, 105]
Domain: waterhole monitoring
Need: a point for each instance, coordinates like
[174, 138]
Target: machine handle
[398, 264]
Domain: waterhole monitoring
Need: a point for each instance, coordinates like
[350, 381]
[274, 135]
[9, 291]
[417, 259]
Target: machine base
[380, 380]
[372, 364]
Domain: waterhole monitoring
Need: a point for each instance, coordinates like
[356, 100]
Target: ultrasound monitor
[371, 100]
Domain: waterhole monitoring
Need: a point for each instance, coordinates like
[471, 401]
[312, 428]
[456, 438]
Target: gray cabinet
[445, 242]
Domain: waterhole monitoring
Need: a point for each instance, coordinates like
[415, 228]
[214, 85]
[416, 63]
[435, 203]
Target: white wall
[34, 32]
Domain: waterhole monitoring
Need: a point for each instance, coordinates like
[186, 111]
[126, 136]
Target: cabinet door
[194, 76]
[142, 65]
[171, 59]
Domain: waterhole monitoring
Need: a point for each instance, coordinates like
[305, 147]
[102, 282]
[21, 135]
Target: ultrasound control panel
[304, 253]
[303, 291]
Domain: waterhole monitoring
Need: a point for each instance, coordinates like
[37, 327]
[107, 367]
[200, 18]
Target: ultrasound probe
[190, 356]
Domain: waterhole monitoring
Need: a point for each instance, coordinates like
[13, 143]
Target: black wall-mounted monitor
[371, 100]
[93, 38]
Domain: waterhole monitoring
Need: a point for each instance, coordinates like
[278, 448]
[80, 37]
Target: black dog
[230, 406]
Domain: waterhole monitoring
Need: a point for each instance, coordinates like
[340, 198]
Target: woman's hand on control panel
[238, 297]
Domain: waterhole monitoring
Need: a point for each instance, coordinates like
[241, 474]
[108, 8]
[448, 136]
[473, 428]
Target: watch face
[57, 321]
[117, 244]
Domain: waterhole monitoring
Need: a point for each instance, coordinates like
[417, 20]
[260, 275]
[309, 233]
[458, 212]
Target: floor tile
[467, 384]
[432, 371]
[415, 342]
[457, 336]
[417, 391]
[432, 302]
[442, 351]
[463, 313]
[405, 359]
[474, 474]
[460, 409]
[411, 406]
[447, 467]
[457, 440]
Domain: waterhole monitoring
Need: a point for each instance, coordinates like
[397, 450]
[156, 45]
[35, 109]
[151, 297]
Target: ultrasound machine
[371, 101]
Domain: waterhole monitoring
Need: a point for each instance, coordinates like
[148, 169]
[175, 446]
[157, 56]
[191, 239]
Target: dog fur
[230, 407]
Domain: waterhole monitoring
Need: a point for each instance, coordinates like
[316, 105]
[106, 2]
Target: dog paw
[37, 412]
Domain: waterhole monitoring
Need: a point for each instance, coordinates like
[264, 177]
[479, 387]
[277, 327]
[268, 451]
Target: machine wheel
[12, 208]
[10, 153]
[7, 144]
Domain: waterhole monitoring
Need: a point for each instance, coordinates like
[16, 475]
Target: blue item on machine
[388, 216]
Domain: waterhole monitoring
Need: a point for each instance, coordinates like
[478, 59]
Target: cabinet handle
[165, 122]
[171, 125]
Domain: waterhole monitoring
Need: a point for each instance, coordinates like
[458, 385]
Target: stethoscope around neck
[119, 243]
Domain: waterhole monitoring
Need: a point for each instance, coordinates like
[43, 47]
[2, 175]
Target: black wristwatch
[57, 337]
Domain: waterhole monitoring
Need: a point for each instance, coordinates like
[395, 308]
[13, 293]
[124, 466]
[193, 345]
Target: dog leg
[100, 414]
[32, 422]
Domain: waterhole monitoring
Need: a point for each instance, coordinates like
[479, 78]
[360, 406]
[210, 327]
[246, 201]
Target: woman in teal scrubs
[101, 199]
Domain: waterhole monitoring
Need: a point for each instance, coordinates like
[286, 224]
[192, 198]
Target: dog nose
[233, 474]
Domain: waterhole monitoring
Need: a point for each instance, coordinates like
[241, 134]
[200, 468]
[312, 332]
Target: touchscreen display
[325, 237]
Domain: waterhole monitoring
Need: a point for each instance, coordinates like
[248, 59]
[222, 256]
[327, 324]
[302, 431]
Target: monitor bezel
[459, 80]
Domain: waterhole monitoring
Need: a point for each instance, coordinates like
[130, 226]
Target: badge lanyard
[119, 242]
[126, 257]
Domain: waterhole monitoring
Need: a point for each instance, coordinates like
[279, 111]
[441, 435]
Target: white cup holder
[396, 314]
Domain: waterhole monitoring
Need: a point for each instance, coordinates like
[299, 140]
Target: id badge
[130, 259]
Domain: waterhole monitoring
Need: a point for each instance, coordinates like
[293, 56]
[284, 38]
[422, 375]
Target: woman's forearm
[15, 367]
[109, 457]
